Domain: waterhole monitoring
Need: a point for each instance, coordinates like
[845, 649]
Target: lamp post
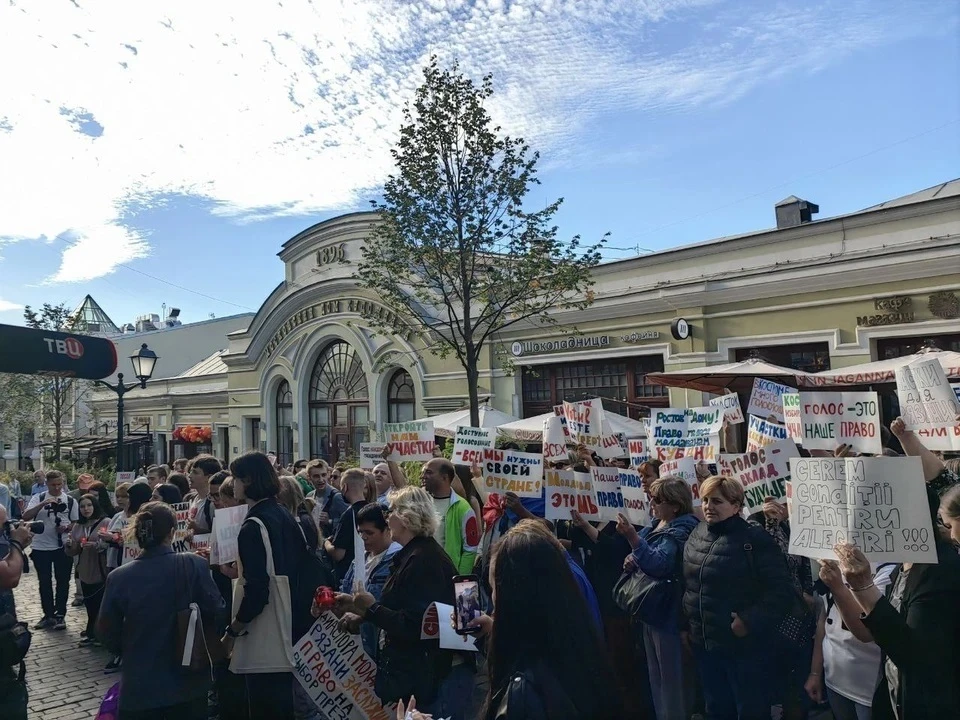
[143, 364]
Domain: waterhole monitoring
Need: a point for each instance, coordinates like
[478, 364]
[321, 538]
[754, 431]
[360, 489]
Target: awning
[531, 429]
[445, 425]
[881, 372]
[737, 377]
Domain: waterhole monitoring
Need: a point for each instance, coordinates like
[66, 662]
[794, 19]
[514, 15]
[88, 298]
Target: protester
[464, 486]
[340, 549]
[328, 498]
[39, 483]
[269, 690]
[202, 468]
[103, 498]
[370, 489]
[58, 512]
[167, 493]
[459, 530]
[179, 465]
[950, 514]
[291, 497]
[157, 474]
[543, 664]
[733, 603]
[227, 497]
[384, 482]
[84, 543]
[85, 483]
[657, 552]
[138, 619]
[183, 485]
[13, 687]
[422, 574]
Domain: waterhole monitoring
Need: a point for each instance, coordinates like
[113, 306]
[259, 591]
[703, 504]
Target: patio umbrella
[881, 372]
[738, 376]
[531, 429]
[445, 425]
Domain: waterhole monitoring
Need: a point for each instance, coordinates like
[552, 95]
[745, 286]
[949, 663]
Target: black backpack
[312, 572]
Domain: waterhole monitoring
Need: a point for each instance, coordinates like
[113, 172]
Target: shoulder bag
[198, 647]
[650, 600]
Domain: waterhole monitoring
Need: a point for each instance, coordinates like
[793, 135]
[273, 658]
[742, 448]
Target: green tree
[18, 405]
[457, 254]
[58, 396]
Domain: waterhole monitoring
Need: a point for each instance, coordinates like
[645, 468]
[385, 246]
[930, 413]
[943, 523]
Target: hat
[85, 480]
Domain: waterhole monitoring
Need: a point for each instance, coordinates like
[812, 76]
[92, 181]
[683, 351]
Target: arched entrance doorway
[339, 403]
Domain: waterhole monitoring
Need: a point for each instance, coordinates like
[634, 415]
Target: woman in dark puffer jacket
[738, 589]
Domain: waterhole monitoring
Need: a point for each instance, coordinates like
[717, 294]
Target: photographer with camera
[14, 638]
[57, 511]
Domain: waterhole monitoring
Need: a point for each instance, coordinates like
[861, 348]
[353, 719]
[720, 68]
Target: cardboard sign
[606, 483]
[879, 504]
[127, 476]
[763, 473]
[845, 418]
[684, 468]
[567, 490]
[371, 454]
[226, 529]
[436, 626]
[337, 674]
[687, 432]
[926, 399]
[410, 440]
[767, 399]
[762, 433]
[636, 502]
[131, 551]
[730, 404]
[201, 542]
[554, 440]
[639, 451]
[943, 439]
[792, 417]
[469, 444]
[586, 426]
[359, 564]
[180, 542]
[513, 471]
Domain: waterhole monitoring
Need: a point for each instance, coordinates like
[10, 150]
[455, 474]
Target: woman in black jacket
[738, 589]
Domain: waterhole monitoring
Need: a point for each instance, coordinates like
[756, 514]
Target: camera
[57, 508]
[36, 527]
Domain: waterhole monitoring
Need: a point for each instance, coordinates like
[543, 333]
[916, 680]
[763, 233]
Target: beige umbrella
[531, 429]
[445, 425]
[736, 377]
[881, 371]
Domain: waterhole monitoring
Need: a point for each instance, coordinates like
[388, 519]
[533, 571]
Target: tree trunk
[472, 378]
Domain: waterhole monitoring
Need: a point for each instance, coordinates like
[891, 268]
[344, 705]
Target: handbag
[405, 673]
[647, 599]
[198, 645]
[267, 646]
[797, 627]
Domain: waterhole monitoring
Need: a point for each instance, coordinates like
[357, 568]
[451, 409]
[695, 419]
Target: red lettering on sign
[74, 348]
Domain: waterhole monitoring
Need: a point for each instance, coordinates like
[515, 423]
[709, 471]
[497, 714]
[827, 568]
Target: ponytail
[152, 525]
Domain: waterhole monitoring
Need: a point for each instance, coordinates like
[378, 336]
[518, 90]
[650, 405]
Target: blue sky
[161, 152]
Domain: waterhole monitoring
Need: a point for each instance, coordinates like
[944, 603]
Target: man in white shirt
[202, 468]
[57, 511]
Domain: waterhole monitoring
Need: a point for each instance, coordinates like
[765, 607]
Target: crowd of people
[703, 612]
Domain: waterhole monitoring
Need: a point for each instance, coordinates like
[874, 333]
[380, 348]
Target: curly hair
[414, 506]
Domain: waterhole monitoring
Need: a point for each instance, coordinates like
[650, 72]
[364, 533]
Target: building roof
[937, 192]
[90, 316]
[211, 365]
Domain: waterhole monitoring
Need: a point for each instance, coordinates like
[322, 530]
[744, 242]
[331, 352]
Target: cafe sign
[582, 342]
[891, 311]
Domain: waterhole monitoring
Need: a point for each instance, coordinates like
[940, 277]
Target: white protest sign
[469, 444]
[684, 468]
[131, 550]
[877, 503]
[762, 432]
[370, 455]
[636, 502]
[763, 473]
[337, 674]
[956, 390]
[942, 439]
[512, 471]
[567, 490]
[586, 426]
[639, 451]
[792, 417]
[201, 542]
[226, 529]
[606, 483]
[687, 432]
[436, 626]
[410, 440]
[126, 476]
[841, 418]
[767, 399]
[926, 399]
[730, 404]
[180, 542]
[359, 564]
[554, 440]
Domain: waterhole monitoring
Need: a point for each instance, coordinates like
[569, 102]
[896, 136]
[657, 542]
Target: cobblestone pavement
[65, 682]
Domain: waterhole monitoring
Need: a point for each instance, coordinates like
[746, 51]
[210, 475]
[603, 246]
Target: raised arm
[912, 445]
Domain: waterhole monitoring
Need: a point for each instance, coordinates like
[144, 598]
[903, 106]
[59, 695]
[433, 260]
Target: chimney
[793, 211]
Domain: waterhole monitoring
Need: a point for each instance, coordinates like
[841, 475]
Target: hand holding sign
[854, 565]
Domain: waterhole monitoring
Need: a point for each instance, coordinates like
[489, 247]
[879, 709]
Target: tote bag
[267, 646]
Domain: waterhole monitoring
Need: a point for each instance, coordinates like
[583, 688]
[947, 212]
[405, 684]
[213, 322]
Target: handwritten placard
[792, 417]
[606, 484]
[567, 490]
[878, 503]
[763, 432]
[469, 444]
[371, 454]
[226, 529]
[180, 542]
[687, 432]
[586, 426]
[845, 418]
[730, 404]
[554, 440]
[763, 473]
[926, 399]
[436, 626]
[766, 400]
[639, 451]
[684, 468]
[410, 440]
[512, 471]
[636, 502]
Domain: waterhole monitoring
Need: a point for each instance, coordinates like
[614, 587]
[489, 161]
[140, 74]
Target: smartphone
[466, 591]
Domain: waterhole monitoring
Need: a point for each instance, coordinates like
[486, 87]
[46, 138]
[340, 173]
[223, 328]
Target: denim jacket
[376, 579]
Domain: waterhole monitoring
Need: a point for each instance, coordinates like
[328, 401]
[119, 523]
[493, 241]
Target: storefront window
[809, 357]
[284, 414]
[888, 348]
[401, 398]
[339, 405]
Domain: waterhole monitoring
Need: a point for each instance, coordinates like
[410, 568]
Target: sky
[161, 152]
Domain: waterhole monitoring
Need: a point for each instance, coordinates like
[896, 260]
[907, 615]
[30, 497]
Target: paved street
[65, 682]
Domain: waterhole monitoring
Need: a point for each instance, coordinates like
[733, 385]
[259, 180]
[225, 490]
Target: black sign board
[32, 352]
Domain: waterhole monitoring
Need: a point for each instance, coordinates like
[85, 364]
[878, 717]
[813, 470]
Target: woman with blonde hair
[291, 497]
[738, 590]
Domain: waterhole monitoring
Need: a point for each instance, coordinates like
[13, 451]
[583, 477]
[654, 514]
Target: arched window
[401, 398]
[284, 415]
[339, 407]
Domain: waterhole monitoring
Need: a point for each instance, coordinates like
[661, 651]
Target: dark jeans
[736, 682]
[92, 597]
[269, 696]
[192, 710]
[49, 564]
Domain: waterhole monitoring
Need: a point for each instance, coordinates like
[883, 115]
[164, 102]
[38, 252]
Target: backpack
[312, 572]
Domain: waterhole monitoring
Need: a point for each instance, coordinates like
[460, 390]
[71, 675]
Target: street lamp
[143, 364]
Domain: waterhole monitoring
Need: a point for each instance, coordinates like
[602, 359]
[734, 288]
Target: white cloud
[7, 306]
[269, 108]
